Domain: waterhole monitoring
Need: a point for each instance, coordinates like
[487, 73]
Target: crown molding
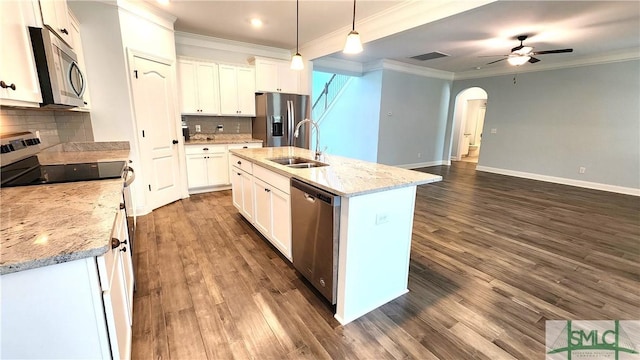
[147, 12]
[213, 43]
[338, 66]
[404, 16]
[399, 66]
[611, 57]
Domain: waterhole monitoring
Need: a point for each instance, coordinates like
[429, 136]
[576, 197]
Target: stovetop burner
[29, 172]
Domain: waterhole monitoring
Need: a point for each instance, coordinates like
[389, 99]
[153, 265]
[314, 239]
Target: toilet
[474, 150]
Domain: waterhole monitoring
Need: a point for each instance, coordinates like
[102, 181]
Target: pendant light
[353, 45]
[296, 60]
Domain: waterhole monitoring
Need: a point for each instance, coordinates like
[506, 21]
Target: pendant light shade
[353, 45]
[296, 60]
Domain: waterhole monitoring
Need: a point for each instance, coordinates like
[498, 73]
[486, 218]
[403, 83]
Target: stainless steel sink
[298, 162]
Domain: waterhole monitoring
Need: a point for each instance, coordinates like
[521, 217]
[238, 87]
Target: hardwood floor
[492, 258]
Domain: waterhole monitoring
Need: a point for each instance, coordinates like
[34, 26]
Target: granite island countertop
[44, 225]
[344, 176]
[214, 139]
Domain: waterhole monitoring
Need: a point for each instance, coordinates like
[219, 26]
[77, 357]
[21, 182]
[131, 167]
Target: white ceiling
[591, 28]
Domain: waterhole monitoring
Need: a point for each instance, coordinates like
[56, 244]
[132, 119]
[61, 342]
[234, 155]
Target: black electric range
[29, 171]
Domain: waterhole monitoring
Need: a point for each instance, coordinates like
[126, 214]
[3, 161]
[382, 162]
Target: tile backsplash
[54, 127]
[208, 124]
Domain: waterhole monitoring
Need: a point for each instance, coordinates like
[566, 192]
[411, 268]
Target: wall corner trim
[563, 181]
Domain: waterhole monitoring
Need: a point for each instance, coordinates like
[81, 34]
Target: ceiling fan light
[524, 50]
[296, 62]
[353, 45]
[518, 60]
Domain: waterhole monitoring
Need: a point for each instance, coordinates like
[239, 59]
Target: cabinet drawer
[245, 146]
[107, 262]
[243, 164]
[278, 181]
[204, 149]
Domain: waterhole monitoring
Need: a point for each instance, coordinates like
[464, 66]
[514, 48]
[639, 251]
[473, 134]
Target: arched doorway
[468, 123]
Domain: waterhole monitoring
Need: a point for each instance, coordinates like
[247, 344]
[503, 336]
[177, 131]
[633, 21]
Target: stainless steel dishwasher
[315, 221]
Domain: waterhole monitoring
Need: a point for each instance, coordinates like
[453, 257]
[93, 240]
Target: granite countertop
[202, 138]
[344, 176]
[50, 224]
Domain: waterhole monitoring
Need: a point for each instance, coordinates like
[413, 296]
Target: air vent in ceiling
[429, 56]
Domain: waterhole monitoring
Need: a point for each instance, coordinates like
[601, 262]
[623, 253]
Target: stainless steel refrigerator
[276, 118]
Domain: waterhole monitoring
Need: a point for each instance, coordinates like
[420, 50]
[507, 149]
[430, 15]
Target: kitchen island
[376, 221]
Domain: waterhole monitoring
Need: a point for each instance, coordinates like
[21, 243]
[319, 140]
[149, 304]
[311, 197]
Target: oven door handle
[129, 180]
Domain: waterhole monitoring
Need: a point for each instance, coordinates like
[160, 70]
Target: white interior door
[153, 101]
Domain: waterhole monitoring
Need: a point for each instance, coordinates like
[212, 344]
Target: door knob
[175, 142]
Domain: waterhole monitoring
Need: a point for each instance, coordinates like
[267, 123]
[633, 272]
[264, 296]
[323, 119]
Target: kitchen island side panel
[375, 246]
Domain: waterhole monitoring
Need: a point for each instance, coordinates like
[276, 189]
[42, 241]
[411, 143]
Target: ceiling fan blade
[533, 60]
[558, 51]
[493, 62]
[492, 55]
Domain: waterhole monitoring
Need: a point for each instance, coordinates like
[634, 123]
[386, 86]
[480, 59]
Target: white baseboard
[563, 181]
[424, 164]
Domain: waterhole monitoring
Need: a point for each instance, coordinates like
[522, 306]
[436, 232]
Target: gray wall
[415, 130]
[553, 122]
[350, 126]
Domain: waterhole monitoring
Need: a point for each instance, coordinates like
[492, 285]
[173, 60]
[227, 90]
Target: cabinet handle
[267, 190]
[124, 249]
[121, 206]
[205, 149]
[239, 174]
[239, 162]
[174, 142]
[115, 242]
[64, 31]
[4, 85]
[245, 147]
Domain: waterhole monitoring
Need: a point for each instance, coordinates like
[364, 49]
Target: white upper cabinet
[18, 76]
[274, 75]
[237, 91]
[199, 89]
[55, 16]
[74, 29]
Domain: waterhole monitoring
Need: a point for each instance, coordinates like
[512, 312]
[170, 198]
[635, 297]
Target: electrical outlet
[198, 128]
[494, 131]
[220, 128]
[582, 169]
[419, 155]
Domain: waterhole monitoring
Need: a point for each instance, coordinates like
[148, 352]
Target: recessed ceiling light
[256, 23]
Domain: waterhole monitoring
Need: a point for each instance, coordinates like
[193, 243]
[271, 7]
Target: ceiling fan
[522, 54]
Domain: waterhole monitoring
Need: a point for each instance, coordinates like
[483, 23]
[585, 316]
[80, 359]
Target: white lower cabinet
[267, 195]
[242, 192]
[273, 215]
[79, 309]
[207, 166]
[116, 275]
[242, 186]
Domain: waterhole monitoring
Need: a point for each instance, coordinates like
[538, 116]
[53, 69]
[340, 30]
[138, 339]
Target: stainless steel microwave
[62, 83]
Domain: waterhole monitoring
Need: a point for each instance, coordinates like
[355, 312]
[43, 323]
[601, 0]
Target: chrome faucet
[297, 132]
